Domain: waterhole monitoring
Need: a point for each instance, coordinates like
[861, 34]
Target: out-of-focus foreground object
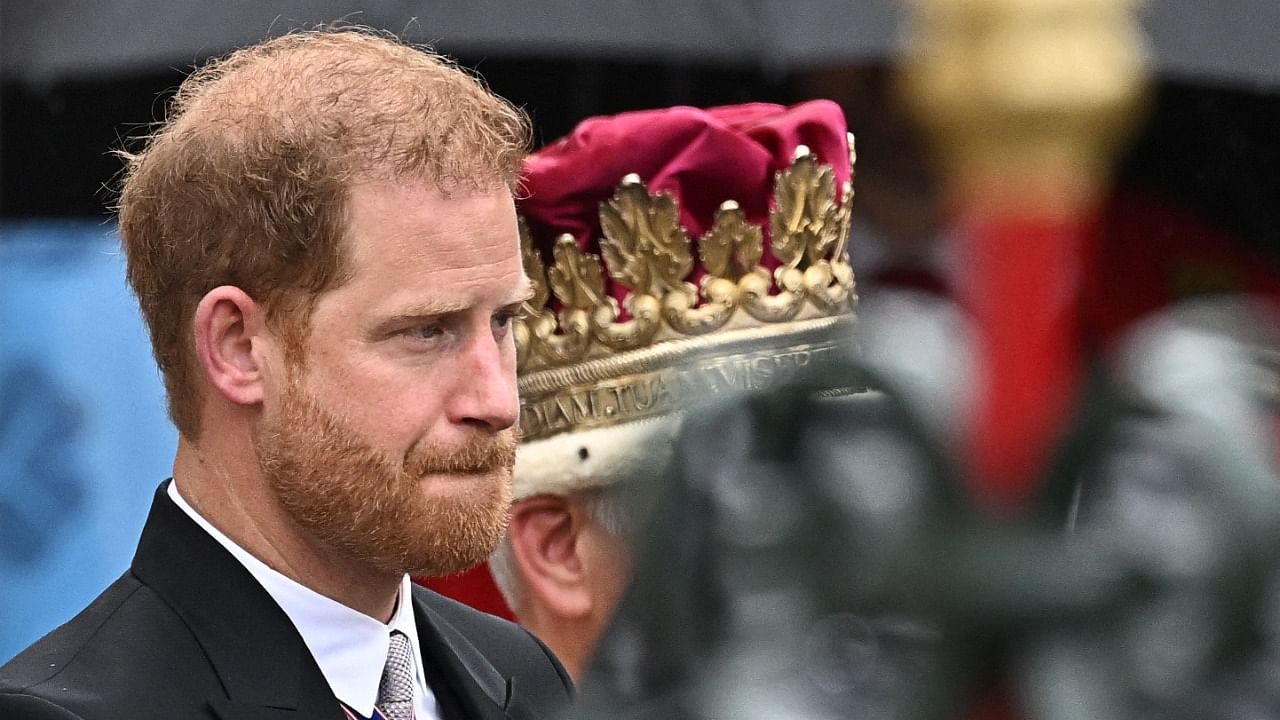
[1078, 540]
[1028, 100]
[827, 561]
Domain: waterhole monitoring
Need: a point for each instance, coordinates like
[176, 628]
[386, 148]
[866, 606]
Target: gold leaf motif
[570, 345]
[534, 269]
[825, 234]
[644, 247]
[575, 277]
[732, 247]
[830, 286]
[763, 306]
[804, 223]
[784, 221]
[844, 222]
[524, 338]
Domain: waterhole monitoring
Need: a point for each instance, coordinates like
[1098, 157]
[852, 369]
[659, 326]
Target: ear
[545, 534]
[229, 339]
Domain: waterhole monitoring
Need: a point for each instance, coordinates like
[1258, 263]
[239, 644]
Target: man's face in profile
[393, 441]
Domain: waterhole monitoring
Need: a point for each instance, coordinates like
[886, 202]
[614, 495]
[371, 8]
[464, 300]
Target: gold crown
[578, 354]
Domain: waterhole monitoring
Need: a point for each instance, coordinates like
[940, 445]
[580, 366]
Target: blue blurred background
[84, 438]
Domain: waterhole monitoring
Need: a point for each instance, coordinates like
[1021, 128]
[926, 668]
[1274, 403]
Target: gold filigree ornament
[574, 337]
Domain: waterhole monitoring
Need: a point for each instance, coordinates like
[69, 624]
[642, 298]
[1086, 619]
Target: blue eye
[425, 332]
[505, 318]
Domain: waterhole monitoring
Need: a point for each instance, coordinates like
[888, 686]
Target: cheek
[385, 410]
[613, 559]
[622, 567]
[393, 403]
[403, 417]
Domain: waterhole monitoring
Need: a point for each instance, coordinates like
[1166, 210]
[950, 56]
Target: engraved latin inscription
[662, 391]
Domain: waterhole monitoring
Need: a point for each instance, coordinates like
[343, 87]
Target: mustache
[481, 454]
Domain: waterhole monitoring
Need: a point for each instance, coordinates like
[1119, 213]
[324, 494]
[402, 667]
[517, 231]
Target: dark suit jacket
[187, 632]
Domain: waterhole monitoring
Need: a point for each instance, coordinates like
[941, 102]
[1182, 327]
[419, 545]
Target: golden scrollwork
[576, 281]
[809, 236]
[732, 247]
[646, 250]
[805, 221]
[575, 277]
[729, 250]
[534, 310]
[645, 247]
[534, 269]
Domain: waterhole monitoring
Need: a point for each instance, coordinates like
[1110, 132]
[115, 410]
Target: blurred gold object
[1028, 98]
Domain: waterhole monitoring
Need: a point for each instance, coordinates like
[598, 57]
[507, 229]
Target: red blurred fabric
[1153, 253]
[474, 587]
[1022, 288]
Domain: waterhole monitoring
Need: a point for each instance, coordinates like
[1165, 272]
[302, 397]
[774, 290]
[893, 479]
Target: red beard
[436, 512]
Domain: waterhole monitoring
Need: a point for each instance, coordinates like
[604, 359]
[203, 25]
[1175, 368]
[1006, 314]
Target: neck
[572, 640]
[235, 499]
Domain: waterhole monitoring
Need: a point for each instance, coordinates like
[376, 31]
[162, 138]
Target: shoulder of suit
[512, 649]
[464, 616]
[127, 648]
[52, 654]
[499, 639]
[19, 706]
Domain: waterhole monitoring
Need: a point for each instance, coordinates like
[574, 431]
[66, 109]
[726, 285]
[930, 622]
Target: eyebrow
[439, 309]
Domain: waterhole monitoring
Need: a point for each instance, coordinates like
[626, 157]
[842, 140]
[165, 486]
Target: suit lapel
[263, 664]
[481, 690]
[261, 660]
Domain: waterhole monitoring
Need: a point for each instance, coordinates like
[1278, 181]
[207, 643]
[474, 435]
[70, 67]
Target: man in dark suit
[324, 245]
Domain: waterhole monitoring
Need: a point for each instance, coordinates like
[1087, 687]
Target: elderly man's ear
[549, 546]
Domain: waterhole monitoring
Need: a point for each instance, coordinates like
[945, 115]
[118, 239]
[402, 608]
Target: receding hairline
[357, 87]
[245, 180]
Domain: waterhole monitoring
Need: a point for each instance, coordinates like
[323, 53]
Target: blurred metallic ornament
[1028, 98]
[898, 601]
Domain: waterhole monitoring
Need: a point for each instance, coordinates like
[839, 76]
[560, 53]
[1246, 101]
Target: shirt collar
[349, 646]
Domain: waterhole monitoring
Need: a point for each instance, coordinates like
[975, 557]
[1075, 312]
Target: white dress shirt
[349, 646]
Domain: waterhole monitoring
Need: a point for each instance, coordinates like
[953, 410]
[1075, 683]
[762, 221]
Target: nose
[485, 395]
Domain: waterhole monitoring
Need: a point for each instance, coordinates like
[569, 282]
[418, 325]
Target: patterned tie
[395, 692]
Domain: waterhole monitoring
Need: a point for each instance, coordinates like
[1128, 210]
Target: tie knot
[395, 692]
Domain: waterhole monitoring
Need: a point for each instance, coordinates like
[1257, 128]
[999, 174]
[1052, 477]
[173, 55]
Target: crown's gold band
[670, 377]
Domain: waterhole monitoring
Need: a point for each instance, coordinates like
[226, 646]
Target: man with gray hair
[565, 561]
